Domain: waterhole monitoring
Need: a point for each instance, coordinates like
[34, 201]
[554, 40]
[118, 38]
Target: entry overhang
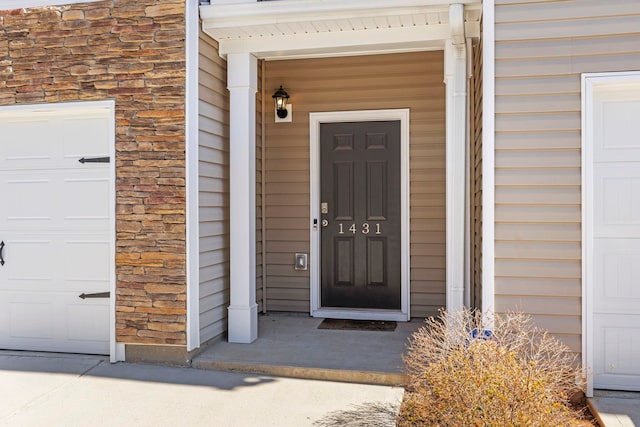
[310, 28]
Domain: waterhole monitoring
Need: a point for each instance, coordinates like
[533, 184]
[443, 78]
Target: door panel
[344, 262]
[360, 244]
[377, 191]
[343, 190]
[376, 261]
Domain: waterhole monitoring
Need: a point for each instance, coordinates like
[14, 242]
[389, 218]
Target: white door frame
[589, 82]
[315, 120]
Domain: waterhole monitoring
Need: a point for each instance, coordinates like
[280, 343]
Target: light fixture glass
[281, 98]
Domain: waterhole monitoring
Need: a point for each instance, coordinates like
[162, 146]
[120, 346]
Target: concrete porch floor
[616, 408]
[291, 345]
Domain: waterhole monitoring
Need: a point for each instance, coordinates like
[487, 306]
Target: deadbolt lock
[325, 222]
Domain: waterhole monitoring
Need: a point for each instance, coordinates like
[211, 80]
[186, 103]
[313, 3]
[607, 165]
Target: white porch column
[455, 70]
[242, 82]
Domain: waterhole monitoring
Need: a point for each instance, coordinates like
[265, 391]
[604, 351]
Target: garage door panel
[80, 261]
[65, 262]
[58, 199]
[29, 260]
[29, 143]
[83, 199]
[27, 322]
[618, 211]
[617, 125]
[84, 137]
[95, 321]
[54, 321]
[618, 358]
[617, 270]
[53, 142]
[25, 198]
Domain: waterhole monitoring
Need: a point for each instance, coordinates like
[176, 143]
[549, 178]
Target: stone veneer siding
[132, 51]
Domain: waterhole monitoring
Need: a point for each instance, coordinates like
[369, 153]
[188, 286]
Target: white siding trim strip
[192, 190]
[488, 156]
[116, 351]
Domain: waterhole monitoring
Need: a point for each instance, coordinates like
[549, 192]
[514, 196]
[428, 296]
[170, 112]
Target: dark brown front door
[360, 214]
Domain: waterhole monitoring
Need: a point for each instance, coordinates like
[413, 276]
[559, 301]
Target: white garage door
[615, 210]
[55, 226]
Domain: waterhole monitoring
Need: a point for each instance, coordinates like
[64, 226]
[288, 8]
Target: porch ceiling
[311, 28]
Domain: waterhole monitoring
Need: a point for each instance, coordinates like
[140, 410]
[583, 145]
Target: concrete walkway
[616, 409]
[40, 389]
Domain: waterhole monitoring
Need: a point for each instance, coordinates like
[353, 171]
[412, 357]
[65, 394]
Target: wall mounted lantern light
[281, 98]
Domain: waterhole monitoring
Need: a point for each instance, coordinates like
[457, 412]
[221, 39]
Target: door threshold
[360, 314]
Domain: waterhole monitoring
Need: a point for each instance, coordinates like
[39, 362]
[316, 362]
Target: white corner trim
[119, 353]
[114, 356]
[488, 158]
[315, 120]
[192, 188]
[587, 231]
[589, 82]
[456, 82]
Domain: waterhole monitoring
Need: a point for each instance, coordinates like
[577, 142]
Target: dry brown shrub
[518, 375]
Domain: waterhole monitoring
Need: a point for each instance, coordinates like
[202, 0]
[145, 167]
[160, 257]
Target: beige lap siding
[213, 172]
[259, 186]
[133, 53]
[475, 171]
[541, 49]
[413, 81]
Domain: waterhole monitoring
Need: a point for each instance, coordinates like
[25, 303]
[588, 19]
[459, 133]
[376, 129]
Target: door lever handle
[1, 250]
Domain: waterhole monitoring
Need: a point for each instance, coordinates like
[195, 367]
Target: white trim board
[315, 120]
[488, 157]
[363, 42]
[192, 172]
[590, 81]
[116, 352]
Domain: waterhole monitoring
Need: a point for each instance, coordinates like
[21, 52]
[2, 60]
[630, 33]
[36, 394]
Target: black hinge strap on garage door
[1, 256]
[95, 160]
[95, 295]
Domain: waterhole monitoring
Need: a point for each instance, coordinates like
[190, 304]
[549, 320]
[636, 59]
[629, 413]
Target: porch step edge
[619, 417]
[326, 374]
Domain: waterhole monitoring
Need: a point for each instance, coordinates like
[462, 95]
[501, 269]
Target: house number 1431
[366, 229]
